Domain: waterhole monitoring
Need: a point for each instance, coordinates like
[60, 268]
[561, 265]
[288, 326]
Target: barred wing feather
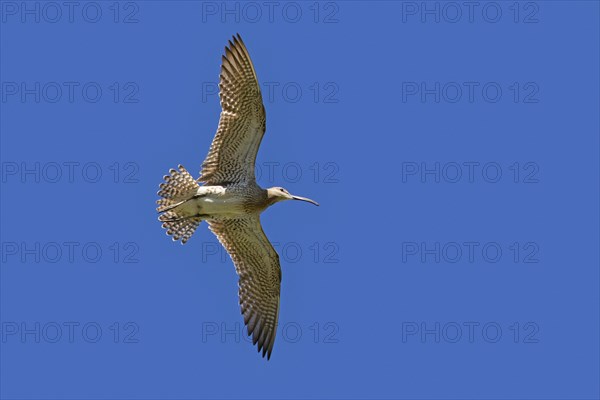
[242, 123]
[257, 264]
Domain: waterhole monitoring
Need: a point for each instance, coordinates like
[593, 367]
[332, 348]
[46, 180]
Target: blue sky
[453, 149]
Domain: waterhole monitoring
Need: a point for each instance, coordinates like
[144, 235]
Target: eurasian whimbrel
[230, 200]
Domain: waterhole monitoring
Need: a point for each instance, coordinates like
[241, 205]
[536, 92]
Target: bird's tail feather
[177, 188]
[181, 228]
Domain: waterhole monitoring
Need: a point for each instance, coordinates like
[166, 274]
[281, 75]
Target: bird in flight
[228, 198]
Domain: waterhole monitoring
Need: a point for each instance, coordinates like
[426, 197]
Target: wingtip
[237, 39]
[266, 352]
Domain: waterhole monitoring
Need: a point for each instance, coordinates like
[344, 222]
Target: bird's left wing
[257, 264]
[242, 123]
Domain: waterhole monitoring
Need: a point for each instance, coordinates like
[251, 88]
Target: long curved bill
[305, 199]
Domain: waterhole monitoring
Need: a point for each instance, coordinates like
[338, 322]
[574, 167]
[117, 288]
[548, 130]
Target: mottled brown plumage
[242, 123]
[230, 200]
[257, 265]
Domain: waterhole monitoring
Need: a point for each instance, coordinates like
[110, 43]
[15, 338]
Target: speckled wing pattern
[242, 123]
[257, 265]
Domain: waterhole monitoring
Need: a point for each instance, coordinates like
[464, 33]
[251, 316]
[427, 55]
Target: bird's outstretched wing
[257, 264]
[242, 123]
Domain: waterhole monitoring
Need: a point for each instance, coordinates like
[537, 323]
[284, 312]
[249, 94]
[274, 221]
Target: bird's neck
[270, 199]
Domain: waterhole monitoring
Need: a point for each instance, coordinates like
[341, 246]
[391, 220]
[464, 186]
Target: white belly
[212, 201]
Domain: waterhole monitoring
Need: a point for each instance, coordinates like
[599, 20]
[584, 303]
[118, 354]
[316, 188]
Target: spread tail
[179, 227]
[177, 188]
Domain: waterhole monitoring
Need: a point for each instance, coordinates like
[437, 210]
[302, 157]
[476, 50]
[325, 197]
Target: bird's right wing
[257, 264]
[242, 123]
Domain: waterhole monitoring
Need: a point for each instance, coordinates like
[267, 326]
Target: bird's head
[276, 194]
